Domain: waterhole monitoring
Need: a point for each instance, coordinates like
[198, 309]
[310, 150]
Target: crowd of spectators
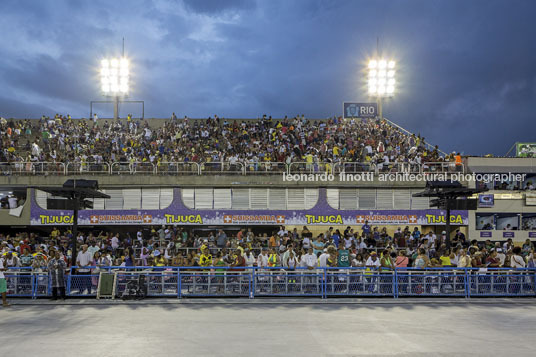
[62, 139]
[366, 246]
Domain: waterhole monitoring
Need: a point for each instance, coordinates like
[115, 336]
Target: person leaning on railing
[464, 260]
[516, 260]
[386, 262]
[422, 261]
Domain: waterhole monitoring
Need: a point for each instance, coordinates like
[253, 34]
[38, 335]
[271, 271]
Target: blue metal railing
[181, 282]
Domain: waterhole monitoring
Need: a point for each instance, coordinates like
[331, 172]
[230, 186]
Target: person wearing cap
[460, 237]
[373, 262]
[159, 260]
[323, 259]
[205, 259]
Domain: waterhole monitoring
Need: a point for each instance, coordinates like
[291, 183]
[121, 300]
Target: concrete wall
[8, 220]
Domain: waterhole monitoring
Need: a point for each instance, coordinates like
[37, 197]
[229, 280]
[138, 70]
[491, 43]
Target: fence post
[324, 283]
[68, 292]
[179, 284]
[467, 284]
[252, 284]
[33, 286]
[395, 284]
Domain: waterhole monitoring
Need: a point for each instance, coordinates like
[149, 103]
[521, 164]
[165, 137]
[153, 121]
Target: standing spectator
[249, 257]
[221, 239]
[464, 260]
[83, 260]
[262, 259]
[56, 268]
[401, 260]
[3, 284]
[517, 261]
[309, 260]
[386, 261]
[343, 256]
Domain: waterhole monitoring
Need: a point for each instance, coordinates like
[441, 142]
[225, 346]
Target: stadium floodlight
[114, 75]
[381, 77]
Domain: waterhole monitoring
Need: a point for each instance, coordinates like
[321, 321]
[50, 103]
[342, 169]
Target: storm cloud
[466, 69]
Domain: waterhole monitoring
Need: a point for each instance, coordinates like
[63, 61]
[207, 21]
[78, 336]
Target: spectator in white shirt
[517, 261]
[323, 259]
[373, 262]
[309, 260]
[115, 242]
[83, 260]
[249, 258]
[262, 259]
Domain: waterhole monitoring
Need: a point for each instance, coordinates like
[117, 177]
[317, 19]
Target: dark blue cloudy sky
[467, 68]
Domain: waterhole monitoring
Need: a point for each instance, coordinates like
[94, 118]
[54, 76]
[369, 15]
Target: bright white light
[381, 77]
[114, 75]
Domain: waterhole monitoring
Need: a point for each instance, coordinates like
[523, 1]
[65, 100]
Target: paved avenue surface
[369, 328]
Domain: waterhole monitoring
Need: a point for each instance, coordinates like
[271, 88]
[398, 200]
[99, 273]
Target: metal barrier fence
[257, 282]
[213, 168]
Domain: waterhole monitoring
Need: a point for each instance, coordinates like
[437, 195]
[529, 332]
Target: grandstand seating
[72, 146]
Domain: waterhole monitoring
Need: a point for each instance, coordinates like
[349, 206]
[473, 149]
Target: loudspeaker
[92, 184]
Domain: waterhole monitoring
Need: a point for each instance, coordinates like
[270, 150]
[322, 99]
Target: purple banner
[485, 234]
[508, 234]
[177, 213]
[532, 234]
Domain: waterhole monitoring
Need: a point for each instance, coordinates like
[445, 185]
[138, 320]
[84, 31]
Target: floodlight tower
[114, 76]
[381, 80]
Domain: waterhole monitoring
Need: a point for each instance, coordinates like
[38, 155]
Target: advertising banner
[360, 110]
[178, 214]
[486, 200]
[526, 149]
[485, 234]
